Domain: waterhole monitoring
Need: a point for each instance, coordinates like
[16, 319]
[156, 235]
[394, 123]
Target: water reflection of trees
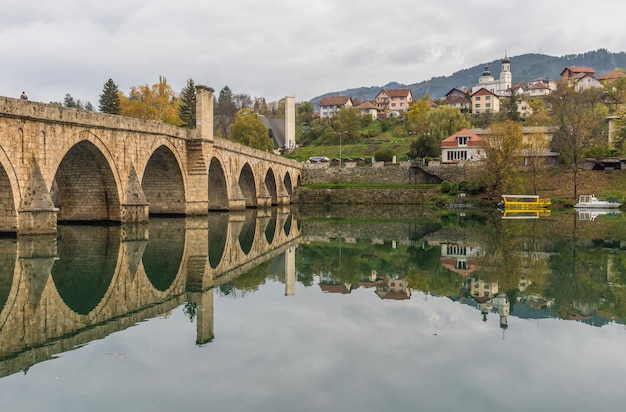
[556, 264]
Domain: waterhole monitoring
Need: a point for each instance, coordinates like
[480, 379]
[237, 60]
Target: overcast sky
[275, 48]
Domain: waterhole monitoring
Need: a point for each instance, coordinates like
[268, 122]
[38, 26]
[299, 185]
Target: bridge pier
[37, 214]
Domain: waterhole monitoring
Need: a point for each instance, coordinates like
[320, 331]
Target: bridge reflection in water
[60, 292]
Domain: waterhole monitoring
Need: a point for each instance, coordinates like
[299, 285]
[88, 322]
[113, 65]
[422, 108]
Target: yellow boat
[525, 213]
[524, 202]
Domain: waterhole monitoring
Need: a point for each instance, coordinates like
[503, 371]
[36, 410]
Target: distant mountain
[524, 68]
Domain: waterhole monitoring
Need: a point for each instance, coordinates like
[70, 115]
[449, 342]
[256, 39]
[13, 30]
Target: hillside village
[487, 98]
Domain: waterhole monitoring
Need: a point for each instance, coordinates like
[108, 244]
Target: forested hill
[524, 68]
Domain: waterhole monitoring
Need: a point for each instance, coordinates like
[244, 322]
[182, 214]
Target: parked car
[319, 159]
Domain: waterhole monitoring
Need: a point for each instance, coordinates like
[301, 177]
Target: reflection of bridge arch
[41, 315]
[83, 279]
[270, 228]
[247, 236]
[163, 256]
[84, 186]
[248, 231]
[9, 279]
[218, 237]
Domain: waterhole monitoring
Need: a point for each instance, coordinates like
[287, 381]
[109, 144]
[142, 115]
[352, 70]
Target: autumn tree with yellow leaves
[157, 102]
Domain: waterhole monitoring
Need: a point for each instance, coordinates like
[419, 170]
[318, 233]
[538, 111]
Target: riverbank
[556, 184]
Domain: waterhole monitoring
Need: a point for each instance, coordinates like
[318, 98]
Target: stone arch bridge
[60, 164]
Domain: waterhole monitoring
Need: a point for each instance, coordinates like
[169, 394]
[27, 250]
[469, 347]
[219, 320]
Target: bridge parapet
[57, 114]
[90, 166]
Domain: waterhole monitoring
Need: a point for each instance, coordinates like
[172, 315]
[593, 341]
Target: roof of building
[538, 86]
[334, 100]
[452, 141]
[276, 129]
[611, 75]
[395, 92]
[367, 106]
[457, 90]
[575, 70]
[483, 92]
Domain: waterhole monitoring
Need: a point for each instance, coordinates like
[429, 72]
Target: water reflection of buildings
[460, 257]
[386, 287]
[486, 295]
[58, 293]
[393, 288]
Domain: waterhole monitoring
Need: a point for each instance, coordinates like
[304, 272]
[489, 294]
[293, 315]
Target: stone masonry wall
[377, 173]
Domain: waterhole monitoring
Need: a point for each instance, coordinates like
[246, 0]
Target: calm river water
[332, 309]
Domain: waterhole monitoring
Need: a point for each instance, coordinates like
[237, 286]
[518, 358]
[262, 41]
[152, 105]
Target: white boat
[591, 214]
[592, 202]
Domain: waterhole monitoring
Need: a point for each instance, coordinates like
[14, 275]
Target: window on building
[487, 97]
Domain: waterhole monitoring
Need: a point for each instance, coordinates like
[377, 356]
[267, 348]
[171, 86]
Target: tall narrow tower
[290, 122]
[505, 74]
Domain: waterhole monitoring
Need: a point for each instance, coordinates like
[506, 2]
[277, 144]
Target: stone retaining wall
[416, 196]
[377, 173]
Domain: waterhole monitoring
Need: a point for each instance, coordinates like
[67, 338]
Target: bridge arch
[218, 187]
[8, 184]
[247, 185]
[270, 185]
[163, 183]
[85, 185]
[287, 183]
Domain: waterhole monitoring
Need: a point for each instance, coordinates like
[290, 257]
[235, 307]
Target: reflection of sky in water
[316, 351]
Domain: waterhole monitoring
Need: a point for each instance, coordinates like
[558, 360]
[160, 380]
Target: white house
[461, 146]
[330, 105]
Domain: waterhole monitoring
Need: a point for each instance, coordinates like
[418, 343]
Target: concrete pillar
[290, 271]
[205, 317]
[290, 123]
[204, 112]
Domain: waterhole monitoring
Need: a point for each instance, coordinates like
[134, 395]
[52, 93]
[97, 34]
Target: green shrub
[445, 186]
[384, 155]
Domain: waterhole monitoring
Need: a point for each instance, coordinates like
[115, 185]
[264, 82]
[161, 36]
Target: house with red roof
[398, 100]
[611, 76]
[485, 101]
[458, 98]
[572, 71]
[368, 109]
[462, 146]
[330, 105]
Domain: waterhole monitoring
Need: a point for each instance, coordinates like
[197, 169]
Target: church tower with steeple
[498, 87]
[505, 74]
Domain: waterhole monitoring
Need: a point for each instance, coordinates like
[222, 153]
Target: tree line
[236, 114]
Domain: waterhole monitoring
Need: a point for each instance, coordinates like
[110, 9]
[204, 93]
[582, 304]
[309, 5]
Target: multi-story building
[485, 101]
[330, 105]
[394, 100]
